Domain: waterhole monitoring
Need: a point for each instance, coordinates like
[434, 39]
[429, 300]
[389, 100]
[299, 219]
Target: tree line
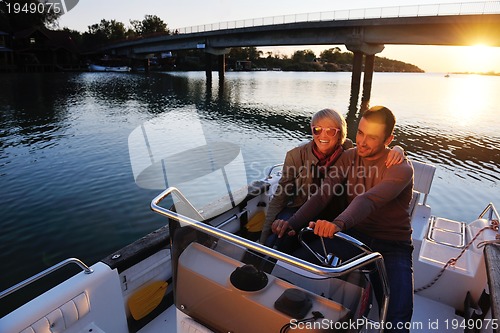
[330, 60]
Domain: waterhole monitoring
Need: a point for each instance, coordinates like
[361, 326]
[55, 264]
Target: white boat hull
[98, 68]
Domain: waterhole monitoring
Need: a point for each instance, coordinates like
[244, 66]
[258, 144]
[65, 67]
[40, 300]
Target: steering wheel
[328, 258]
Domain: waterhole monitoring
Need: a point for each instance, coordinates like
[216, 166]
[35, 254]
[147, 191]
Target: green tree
[136, 26]
[245, 53]
[17, 15]
[237, 53]
[331, 55]
[303, 56]
[150, 24]
[107, 30]
[253, 53]
[102, 33]
[76, 36]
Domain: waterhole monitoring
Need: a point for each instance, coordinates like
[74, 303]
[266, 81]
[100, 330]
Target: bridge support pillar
[220, 53]
[357, 65]
[222, 66]
[361, 49]
[208, 66]
[367, 82]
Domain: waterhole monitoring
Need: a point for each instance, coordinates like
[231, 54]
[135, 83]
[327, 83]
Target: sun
[479, 49]
[479, 58]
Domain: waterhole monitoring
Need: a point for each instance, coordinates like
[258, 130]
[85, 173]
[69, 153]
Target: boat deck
[165, 322]
[432, 316]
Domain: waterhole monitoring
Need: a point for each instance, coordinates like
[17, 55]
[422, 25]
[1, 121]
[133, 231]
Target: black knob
[293, 302]
[248, 278]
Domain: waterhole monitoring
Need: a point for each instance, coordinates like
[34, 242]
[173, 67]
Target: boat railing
[491, 212]
[359, 262]
[270, 173]
[46, 272]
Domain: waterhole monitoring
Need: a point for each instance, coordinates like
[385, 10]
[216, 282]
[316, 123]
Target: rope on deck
[453, 261]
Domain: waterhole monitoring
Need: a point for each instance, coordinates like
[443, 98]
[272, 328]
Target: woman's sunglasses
[317, 130]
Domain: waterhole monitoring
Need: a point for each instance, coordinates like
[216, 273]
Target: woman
[305, 167]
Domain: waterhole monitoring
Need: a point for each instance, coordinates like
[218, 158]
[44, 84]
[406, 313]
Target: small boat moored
[100, 68]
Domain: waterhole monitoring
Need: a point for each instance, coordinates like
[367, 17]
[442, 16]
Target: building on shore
[38, 49]
[6, 53]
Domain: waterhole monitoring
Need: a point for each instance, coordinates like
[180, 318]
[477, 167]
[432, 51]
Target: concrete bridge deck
[439, 24]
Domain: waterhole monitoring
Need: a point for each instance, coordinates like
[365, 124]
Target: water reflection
[465, 155]
[174, 150]
[468, 101]
[30, 111]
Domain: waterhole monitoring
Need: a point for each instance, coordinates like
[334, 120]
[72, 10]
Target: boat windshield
[211, 272]
[217, 274]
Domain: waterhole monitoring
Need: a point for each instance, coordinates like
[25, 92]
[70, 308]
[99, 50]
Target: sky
[187, 13]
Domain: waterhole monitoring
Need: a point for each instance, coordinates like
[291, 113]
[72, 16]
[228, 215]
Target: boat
[100, 68]
[205, 272]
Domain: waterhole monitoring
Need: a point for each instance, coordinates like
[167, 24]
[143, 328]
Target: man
[377, 213]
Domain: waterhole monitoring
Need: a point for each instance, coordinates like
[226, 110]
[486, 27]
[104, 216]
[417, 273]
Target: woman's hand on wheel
[280, 227]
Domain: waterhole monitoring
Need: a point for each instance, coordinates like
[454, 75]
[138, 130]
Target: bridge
[365, 32]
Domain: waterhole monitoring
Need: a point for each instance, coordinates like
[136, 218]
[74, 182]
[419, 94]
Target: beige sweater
[299, 177]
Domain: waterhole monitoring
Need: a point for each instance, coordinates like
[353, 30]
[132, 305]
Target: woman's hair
[336, 117]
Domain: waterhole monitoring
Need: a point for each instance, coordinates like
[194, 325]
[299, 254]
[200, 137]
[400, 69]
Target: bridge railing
[464, 8]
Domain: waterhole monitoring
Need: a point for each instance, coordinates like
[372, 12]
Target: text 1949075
[34, 8]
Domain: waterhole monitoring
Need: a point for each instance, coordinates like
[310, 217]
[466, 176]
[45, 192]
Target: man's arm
[396, 179]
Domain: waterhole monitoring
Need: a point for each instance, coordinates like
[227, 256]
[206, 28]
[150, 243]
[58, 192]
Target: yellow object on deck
[256, 223]
[146, 299]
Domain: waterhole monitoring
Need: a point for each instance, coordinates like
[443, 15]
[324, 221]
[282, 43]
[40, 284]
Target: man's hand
[324, 228]
[279, 227]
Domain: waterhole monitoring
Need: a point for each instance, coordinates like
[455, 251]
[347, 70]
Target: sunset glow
[476, 58]
[468, 99]
[480, 58]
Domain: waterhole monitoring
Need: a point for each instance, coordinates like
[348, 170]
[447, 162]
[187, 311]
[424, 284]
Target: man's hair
[336, 117]
[381, 115]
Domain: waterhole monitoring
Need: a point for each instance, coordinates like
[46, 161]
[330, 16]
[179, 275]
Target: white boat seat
[83, 303]
[62, 317]
[422, 181]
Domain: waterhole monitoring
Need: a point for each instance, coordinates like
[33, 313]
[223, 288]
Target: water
[67, 186]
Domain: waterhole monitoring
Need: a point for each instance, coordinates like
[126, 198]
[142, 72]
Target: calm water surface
[67, 187]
